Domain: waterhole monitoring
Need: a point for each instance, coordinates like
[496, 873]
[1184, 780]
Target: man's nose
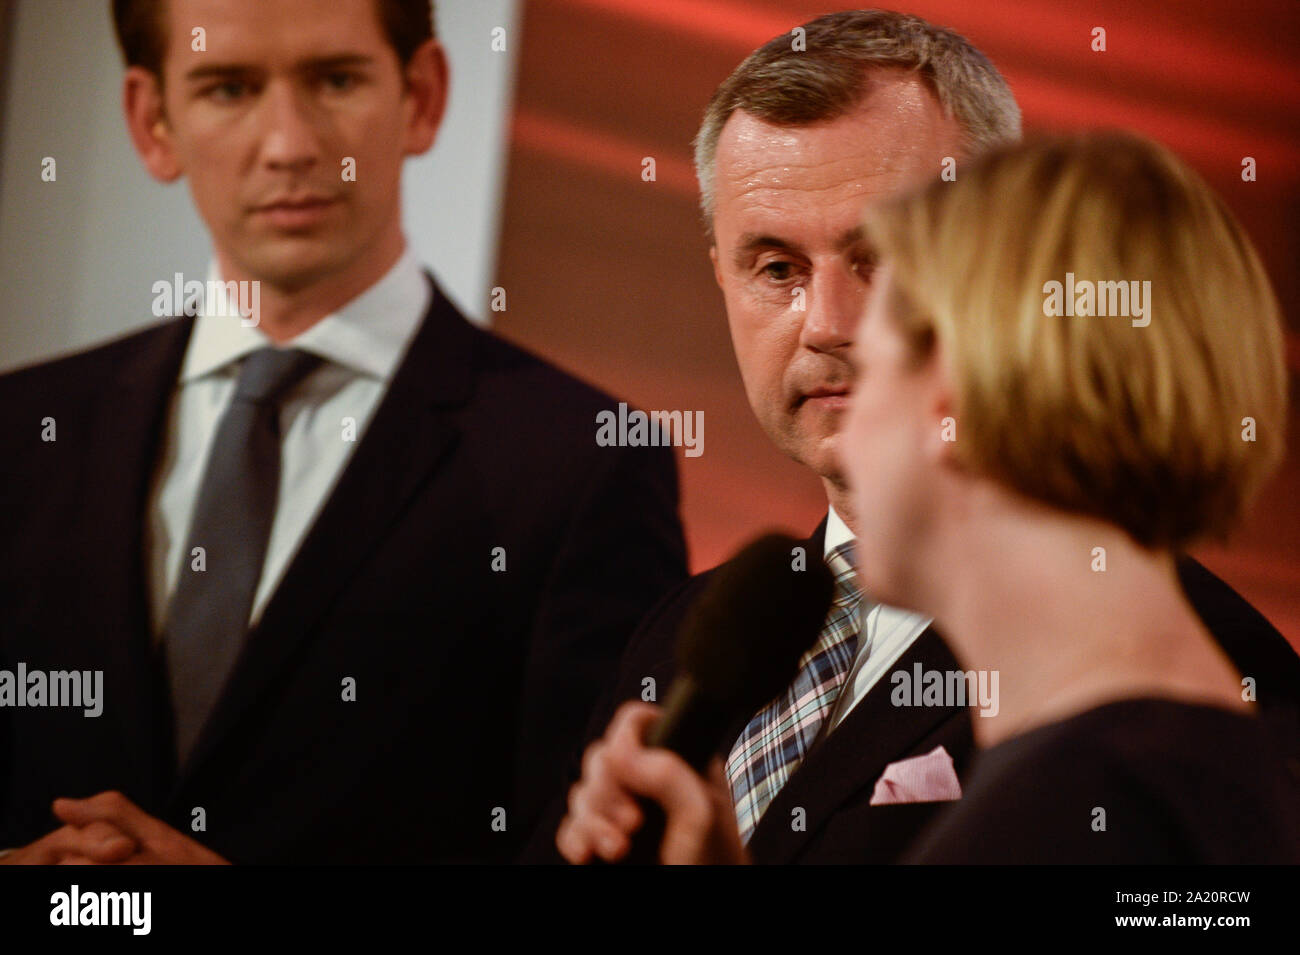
[290, 128]
[835, 300]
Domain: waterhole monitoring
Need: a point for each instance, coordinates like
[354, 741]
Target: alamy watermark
[655, 429]
[1127, 299]
[922, 687]
[84, 688]
[130, 909]
[242, 300]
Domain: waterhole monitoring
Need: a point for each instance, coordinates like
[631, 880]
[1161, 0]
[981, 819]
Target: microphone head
[741, 641]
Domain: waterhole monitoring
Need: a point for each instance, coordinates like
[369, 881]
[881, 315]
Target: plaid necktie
[775, 741]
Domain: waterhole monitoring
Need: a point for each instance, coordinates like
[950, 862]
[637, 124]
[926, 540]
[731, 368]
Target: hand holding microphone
[623, 777]
[641, 797]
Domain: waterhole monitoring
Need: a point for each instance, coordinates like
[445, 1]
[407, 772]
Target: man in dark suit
[792, 146]
[824, 813]
[338, 578]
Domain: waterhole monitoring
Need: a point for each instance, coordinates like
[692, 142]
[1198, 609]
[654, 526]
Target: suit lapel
[130, 419]
[814, 546]
[408, 434]
[874, 733]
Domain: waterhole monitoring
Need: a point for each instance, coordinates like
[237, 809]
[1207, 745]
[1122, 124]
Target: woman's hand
[618, 768]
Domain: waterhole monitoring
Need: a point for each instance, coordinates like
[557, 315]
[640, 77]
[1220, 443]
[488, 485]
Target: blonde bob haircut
[1166, 429]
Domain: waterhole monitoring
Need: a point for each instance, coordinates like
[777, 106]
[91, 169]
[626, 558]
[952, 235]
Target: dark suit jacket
[835, 782]
[472, 684]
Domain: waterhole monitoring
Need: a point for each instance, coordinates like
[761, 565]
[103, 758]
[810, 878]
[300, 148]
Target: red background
[609, 276]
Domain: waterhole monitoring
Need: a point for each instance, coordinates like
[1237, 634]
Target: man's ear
[146, 123]
[427, 81]
[717, 270]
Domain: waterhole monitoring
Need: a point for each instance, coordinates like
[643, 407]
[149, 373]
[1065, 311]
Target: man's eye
[227, 91]
[339, 82]
[778, 271]
[864, 267]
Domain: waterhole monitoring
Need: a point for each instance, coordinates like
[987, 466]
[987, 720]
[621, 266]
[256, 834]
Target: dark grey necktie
[207, 619]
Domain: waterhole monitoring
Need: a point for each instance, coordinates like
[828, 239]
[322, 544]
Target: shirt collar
[368, 335]
[837, 532]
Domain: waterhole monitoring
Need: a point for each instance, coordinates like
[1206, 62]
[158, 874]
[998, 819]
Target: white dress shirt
[362, 344]
[885, 636]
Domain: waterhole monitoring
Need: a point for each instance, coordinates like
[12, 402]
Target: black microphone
[738, 647]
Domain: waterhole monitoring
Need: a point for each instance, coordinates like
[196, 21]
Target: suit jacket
[472, 683]
[834, 784]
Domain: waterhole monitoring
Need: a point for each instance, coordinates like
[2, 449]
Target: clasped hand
[109, 829]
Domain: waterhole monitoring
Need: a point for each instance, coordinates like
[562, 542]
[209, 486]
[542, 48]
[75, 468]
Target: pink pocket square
[928, 778]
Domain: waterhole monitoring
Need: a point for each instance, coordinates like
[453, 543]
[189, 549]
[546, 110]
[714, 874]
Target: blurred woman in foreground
[1008, 452]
